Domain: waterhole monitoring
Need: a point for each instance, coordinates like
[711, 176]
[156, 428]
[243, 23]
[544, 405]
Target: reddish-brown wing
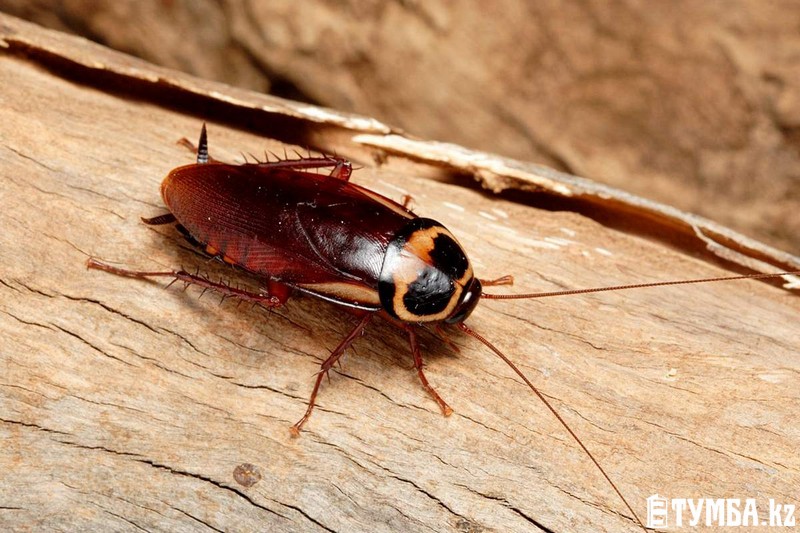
[320, 234]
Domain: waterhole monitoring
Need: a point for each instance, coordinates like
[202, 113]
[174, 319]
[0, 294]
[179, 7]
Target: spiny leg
[267, 300]
[412, 339]
[327, 364]
[342, 168]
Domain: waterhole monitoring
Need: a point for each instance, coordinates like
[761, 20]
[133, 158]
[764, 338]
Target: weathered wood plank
[694, 104]
[124, 406]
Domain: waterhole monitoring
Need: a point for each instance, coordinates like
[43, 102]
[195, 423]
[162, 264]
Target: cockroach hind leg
[418, 364]
[267, 300]
[326, 366]
[141, 274]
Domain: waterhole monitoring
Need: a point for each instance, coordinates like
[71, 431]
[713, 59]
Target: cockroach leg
[342, 168]
[279, 291]
[412, 340]
[502, 280]
[325, 367]
[166, 218]
[267, 300]
[186, 143]
[442, 334]
[407, 200]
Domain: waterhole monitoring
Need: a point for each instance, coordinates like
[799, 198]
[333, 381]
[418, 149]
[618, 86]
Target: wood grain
[124, 406]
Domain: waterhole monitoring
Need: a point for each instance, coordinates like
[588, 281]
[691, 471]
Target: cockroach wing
[314, 232]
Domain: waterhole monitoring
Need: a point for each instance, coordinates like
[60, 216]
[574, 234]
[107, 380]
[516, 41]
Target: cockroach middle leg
[267, 299]
[342, 168]
[326, 366]
[442, 334]
[412, 340]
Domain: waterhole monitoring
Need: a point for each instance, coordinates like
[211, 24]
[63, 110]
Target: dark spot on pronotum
[386, 292]
[414, 226]
[430, 293]
[448, 256]
[247, 474]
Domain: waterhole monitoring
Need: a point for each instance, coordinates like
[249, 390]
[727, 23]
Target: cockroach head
[469, 299]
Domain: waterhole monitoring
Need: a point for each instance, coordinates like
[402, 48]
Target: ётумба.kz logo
[665, 512]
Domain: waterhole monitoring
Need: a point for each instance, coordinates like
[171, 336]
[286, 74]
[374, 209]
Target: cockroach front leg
[326, 366]
[272, 298]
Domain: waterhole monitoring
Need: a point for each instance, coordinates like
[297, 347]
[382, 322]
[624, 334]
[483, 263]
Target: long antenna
[634, 286]
[552, 409]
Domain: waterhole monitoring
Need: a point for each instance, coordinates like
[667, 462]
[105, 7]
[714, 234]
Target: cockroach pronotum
[323, 235]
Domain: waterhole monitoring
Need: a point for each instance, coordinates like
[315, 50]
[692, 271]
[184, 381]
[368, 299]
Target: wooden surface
[125, 407]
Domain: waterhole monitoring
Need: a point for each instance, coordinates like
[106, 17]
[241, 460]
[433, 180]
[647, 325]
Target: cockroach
[322, 235]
